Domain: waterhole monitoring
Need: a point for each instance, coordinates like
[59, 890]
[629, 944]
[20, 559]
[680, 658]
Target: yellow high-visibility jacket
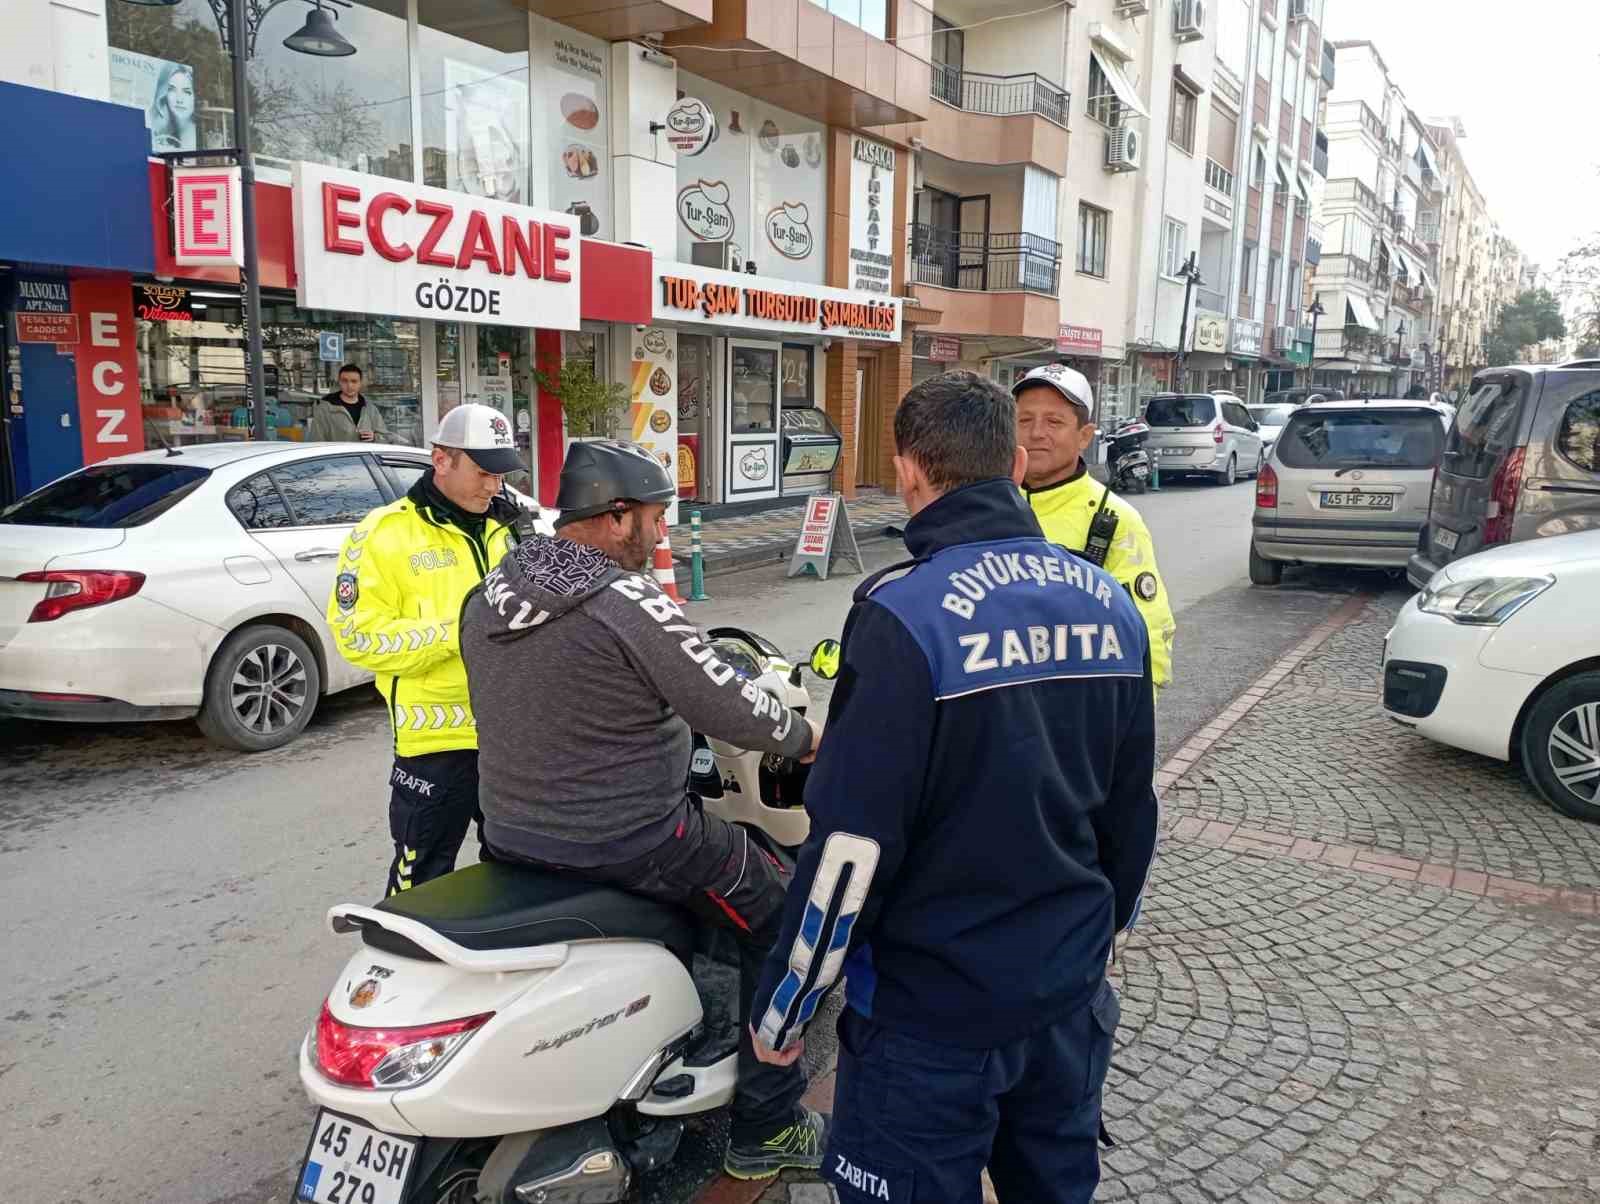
[403, 575]
[1065, 511]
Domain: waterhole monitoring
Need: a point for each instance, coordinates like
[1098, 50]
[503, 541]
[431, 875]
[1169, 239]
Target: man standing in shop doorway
[345, 415]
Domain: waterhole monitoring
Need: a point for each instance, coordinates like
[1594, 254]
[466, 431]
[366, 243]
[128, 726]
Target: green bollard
[697, 568]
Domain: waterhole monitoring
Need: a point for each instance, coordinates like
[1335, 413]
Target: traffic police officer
[1055, 423]
[983, 816]
[403, 574]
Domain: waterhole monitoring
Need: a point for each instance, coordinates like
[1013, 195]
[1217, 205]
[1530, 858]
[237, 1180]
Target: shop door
[697, 399]
[869, 423]
[751, 419]
[505, 381]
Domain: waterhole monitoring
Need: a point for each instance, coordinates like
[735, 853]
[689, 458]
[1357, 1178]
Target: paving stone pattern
[1384, 1025]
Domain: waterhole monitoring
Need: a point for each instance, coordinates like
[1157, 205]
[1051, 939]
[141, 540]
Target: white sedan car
[164, 585]
[1500, 655]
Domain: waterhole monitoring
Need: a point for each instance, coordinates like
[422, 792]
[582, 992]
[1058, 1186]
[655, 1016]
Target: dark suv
[1522, 460]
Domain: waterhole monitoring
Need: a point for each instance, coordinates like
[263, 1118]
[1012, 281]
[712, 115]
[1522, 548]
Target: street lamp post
[1191, 276]
[1315, 312]
[238, 22]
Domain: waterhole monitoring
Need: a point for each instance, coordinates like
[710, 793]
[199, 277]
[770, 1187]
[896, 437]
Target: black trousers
[433, 800]
[730, 881]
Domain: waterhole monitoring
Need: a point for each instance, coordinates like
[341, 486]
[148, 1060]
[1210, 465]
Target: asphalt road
[163, 900]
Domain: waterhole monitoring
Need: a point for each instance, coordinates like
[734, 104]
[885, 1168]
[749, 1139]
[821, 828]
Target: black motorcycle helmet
[607, 474]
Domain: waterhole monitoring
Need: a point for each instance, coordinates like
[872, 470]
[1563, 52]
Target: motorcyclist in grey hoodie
[586, 680]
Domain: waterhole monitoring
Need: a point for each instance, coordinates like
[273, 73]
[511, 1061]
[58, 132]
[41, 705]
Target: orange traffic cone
[666, 574]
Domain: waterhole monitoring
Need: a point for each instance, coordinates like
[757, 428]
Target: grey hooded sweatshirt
[585, 682]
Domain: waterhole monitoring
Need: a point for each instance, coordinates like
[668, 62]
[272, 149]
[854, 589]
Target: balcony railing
[1352, 189]
[969, 259]
[1428, 233]
[1219, 177]
[999, 95]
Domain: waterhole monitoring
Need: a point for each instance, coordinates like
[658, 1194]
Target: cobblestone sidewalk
[1368, 967]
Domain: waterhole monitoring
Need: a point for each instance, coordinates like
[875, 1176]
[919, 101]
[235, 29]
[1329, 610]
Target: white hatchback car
[192, 583]
[1500, 655]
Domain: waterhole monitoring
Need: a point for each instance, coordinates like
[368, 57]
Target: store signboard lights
[207, 217]
[688, 292]
[365, 244]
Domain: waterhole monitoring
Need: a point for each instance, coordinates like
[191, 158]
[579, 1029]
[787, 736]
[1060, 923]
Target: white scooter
[506, 1036]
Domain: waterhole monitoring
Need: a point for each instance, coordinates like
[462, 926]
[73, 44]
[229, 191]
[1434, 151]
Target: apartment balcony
[1319, 157]
[996, 120]
[1327, 66]
[801, 57]
[997, 284]
[1209, 299]
[1220, 185]
[618, 20]
[1346, 267]
[1350, 191]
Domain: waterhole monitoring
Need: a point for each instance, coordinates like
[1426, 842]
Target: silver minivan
[1200, 433]
[1347, 483]
[1521, 461]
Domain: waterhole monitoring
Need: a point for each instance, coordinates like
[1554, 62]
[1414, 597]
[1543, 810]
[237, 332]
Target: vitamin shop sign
[689, 293]
[364, 244]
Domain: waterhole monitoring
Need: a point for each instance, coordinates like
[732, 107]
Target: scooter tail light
[1267, 489]
[388, 1058]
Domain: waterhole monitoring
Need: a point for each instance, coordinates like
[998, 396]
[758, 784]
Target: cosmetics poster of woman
[164, 90]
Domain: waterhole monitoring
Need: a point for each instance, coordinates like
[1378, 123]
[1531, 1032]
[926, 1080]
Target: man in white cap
[1055, 424]
[403, 574]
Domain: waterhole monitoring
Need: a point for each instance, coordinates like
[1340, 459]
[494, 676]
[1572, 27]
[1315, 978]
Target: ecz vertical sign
[110, 418]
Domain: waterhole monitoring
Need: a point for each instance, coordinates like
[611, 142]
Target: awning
[1401, 263]
[1427, 280]
[1303, 188]
[1394, 256]
[1121, 87]
[82, 162]
[1359, 313]
[1428, 161]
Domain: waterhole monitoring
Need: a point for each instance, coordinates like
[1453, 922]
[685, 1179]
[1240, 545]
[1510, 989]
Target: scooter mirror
[825, 659]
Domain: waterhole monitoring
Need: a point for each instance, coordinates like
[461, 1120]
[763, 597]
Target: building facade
[1383, 214]
[725, 244]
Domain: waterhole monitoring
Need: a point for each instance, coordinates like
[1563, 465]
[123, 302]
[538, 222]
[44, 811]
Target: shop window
[192, 365]
[799, 389]
[754, 389]
[473, 56]
[329, 491]
[169, 63]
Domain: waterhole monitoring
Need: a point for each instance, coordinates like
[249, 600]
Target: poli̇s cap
[1069, 382]
[484, 433]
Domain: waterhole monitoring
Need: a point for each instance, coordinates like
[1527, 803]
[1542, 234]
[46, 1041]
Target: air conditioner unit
[713, 255]
[1285, 337]
[1133, 8]
[1124, 149]
[1189, 20]
[1299, 10]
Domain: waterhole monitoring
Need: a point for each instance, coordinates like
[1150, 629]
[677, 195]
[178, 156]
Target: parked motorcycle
[1127, 462]
[509, 1036]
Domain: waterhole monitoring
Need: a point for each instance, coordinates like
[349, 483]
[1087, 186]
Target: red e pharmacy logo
[207, 217]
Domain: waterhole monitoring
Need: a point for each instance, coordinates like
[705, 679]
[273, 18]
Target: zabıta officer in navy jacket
[983, 818]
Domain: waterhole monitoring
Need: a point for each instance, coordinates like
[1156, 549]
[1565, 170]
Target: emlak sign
[365, 244]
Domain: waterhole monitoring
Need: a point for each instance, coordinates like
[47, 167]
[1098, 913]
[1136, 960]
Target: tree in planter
[591, 406]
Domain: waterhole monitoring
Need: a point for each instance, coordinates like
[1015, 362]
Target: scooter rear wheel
[456, 1181]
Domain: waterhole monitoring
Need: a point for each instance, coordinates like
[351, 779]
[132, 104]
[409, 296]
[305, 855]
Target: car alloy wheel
[269, 689]
[1574, 751]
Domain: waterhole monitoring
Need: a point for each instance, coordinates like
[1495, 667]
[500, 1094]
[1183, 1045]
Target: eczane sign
[365, 244]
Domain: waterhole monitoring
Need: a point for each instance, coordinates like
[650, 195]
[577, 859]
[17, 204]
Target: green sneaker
[797, 1146]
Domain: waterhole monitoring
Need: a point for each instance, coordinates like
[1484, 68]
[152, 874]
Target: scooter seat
[498, 906]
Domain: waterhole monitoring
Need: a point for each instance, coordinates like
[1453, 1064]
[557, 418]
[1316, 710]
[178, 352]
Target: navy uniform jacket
[983, 811]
